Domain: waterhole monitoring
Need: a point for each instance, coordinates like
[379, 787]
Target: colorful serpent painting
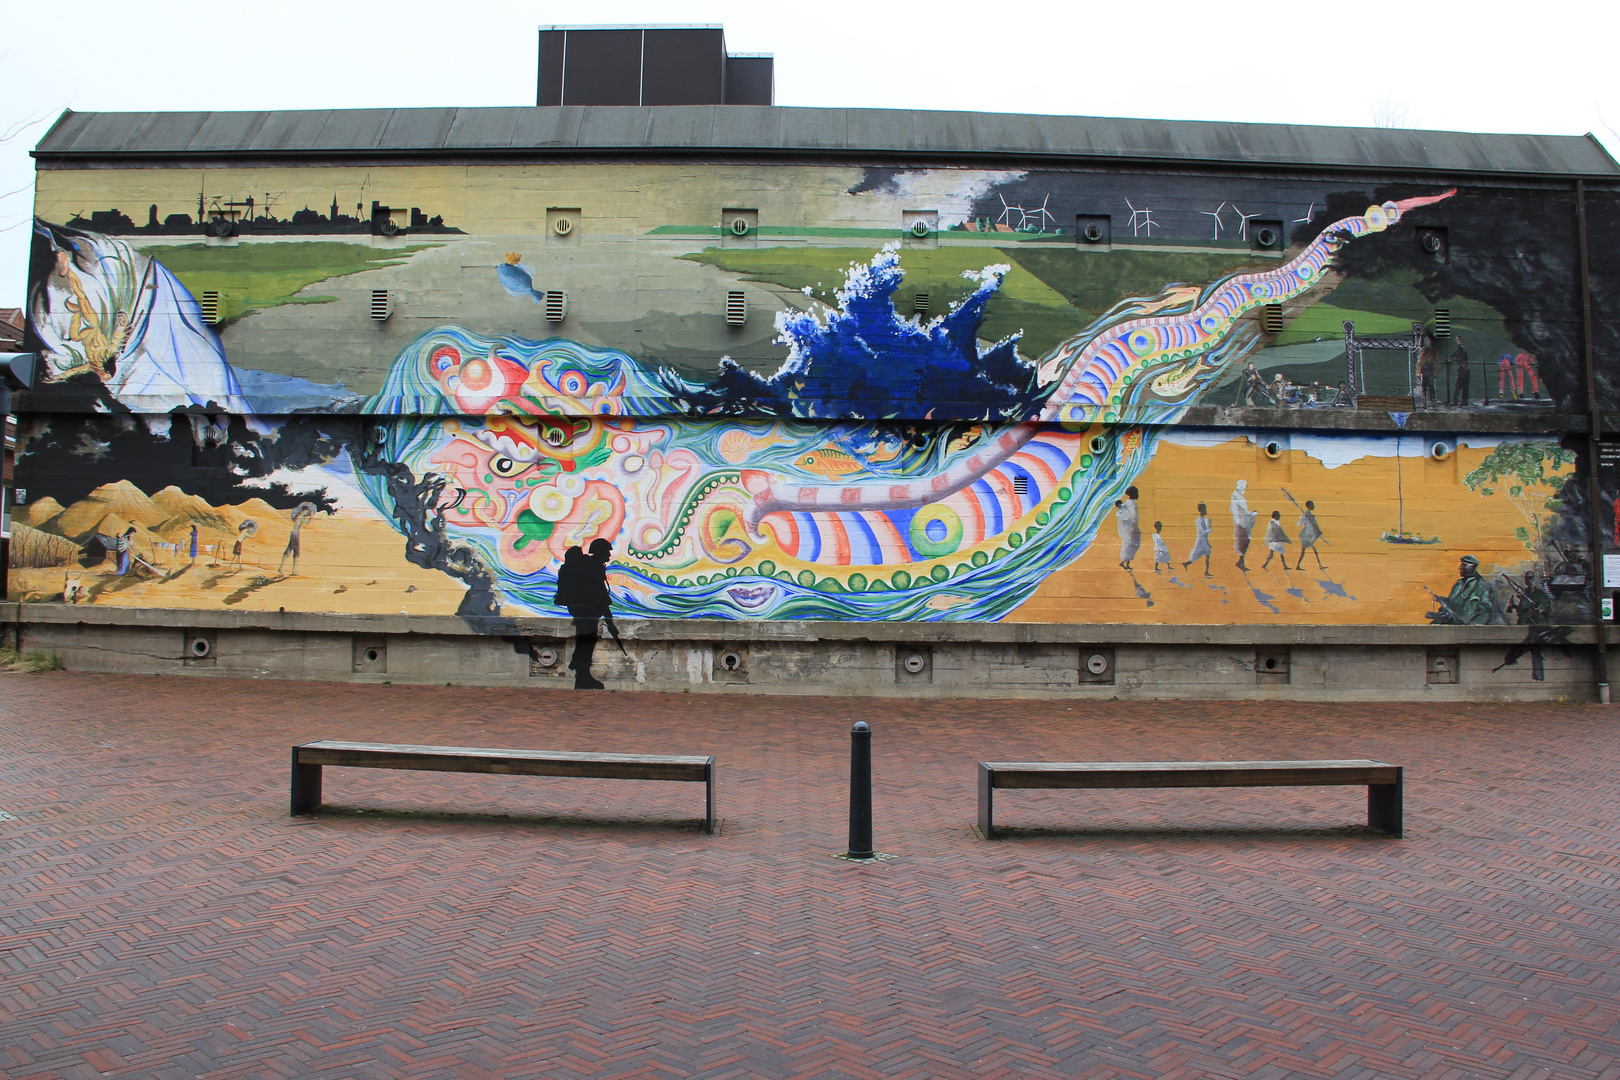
[546, 445]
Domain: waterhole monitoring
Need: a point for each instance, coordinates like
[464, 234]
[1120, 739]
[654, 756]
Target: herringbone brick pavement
[162, 916]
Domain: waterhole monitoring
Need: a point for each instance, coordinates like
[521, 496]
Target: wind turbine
[1041, 214]
[1306, 220]
[1141, 219]
[1008, 211]
[1216, 214]
[1243, 222]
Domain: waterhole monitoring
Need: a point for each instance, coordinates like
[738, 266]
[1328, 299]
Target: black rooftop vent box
[649, 65]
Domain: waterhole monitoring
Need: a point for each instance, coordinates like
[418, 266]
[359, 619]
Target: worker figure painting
[1469, 603]
[1505, 388]
[1459, 359]
[1524, 376]
[1428, 354]
[1250, 384]
[582, 589]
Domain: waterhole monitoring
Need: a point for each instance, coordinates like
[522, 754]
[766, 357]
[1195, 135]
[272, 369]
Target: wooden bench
[1383, 781]
[308, 758]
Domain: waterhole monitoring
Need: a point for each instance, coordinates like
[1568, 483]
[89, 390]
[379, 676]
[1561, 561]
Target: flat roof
[724, 130]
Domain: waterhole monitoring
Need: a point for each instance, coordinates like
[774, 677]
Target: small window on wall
[739, 227]
[1435, 242]
[1094, 230]
[919, 228]
[563, 223]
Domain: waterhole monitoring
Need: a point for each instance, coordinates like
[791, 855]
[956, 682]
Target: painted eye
[504, 466]
[477, 374]
[555, 436]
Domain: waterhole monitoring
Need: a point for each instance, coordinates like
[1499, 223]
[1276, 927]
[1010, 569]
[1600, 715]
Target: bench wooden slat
[309, 758]
[1155, 774]
[483, 759]
[1384, 782]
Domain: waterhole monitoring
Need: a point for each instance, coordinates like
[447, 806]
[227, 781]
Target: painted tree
[1530, 474]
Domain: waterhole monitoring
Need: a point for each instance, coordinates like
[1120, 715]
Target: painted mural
[973, 396]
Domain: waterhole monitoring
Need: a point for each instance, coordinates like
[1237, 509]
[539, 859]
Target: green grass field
[1050, 294]
[254, 276]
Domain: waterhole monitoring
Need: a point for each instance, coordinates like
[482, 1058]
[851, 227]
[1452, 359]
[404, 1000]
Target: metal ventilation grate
[382, 304]
[1271, 318]
[922, 303]
[736, 308]
[556, 306]
[1021, 486]
[212, 303]
[1442, 322]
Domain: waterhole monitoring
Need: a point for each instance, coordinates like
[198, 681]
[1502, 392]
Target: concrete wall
[1367, 663]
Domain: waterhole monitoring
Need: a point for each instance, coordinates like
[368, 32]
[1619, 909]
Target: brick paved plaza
[161, 915]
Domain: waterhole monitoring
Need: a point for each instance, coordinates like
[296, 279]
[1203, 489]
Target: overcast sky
[1545, 67]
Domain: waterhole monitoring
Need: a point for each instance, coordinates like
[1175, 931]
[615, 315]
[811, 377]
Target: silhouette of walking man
[582, 589]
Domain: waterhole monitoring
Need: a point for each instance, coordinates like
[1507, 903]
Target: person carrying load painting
[582, 589]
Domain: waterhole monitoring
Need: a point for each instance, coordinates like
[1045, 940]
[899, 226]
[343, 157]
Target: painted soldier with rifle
[1534, 607]
[1470, 602]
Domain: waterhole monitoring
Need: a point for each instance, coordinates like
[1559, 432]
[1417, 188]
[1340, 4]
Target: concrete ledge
[912, 660]
[1548, 423]
[720, 630]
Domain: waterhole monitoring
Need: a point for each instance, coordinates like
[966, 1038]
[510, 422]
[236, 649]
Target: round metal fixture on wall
[1266, 238]
[1270, 663]
[1097, 663]
[1274, 449]
[199, 647]
[221, 227]
[739, 226]
[562, 226]
[920, 229]
[1098, 444]
[730, 660]
[915, 663]
[546, 657]
[1093, 233]
[1431, 243]
[1439, 451]
[388, 227]
[372, 656]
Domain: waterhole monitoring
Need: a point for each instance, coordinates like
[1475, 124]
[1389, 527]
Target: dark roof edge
[1604, 150]
[764, 155]
[778, 131]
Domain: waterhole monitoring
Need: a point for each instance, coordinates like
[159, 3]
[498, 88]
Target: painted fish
[737, 445]
[516, 279]
[828, 462]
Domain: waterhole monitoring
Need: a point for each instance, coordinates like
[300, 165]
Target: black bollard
[860, 791]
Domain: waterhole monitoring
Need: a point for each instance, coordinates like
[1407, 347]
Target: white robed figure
[107, 309]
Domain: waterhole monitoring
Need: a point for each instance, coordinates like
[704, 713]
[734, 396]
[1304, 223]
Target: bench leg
[1384, 806]
[708, 798]
[986, 802]
[306, 786]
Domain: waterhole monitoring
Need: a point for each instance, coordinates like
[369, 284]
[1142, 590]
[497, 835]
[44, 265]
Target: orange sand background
[353, 562]
[1355, 504]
